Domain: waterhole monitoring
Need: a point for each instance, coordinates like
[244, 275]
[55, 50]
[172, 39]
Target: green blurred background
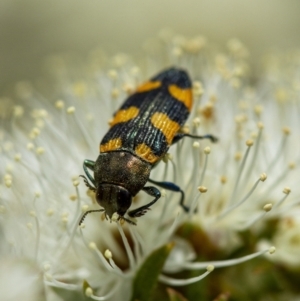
[32, 29]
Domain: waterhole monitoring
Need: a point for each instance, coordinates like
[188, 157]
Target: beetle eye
[100, 195]
[124, 201]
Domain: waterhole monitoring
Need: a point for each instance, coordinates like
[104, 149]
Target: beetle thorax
[123, 169]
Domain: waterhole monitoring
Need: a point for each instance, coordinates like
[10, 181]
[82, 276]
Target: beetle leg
[91, 165]
[88, 164]
[143, 209]
[173, 187]
[181, 135]
[87, 183]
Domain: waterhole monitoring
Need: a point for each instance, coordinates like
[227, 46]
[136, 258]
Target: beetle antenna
[86, 213]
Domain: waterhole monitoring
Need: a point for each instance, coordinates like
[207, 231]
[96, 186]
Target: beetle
[140, 134]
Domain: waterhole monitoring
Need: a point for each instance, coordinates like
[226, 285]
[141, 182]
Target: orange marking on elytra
[183, 95]
[166, 125]
[111, 145]
[145, 152]
[124, 115]
[148, 86]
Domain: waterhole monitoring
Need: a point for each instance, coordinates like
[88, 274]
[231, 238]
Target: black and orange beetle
[140, 134]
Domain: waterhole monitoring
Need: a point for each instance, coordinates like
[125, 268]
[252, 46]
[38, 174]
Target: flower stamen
[249, 144]
[126, 245]
[280, 151]
[182, 282]
[108, 255]
[38, 234]
[286, 191]
[92, 246]
[267, 208]
[138, 243]
[262, 178]
[260, 126]
[226, 263]
[89, 293]
[59, 284]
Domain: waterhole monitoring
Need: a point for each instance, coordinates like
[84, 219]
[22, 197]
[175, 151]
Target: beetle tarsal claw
[89, 186]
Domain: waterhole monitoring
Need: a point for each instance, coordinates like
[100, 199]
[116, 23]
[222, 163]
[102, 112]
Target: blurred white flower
[20, 279]
[287, 238]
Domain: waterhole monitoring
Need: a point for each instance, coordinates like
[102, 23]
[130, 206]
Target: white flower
[287, 238]
[231, 184]
[20, 279]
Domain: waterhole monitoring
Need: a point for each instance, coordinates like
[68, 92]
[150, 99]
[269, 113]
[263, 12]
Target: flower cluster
[241, 191]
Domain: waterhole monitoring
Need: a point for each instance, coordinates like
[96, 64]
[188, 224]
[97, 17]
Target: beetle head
[113, 198]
